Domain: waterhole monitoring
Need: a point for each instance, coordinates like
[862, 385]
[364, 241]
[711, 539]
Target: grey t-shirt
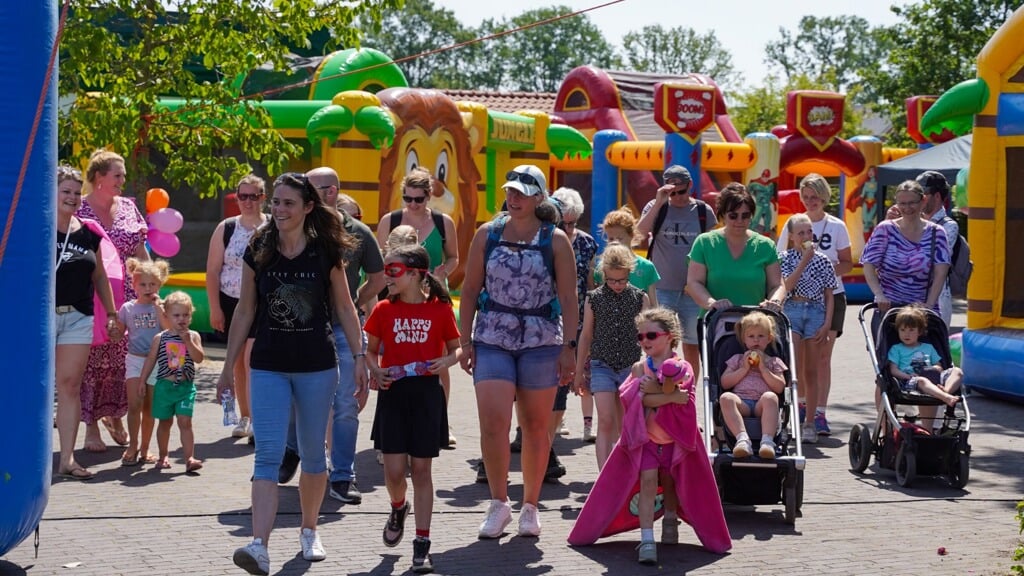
[365, 258]
[672, 248]
[142, 322]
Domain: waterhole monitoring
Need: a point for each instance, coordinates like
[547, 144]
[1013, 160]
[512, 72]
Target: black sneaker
[346, 491]
[421, 560]
[289, 464]
[481, 474]
[516, 445]
[395, 528]
[555, 468]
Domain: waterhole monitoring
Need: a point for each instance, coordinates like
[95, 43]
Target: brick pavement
[132, 521]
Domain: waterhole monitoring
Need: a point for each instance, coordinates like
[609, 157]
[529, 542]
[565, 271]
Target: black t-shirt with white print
[75, 267]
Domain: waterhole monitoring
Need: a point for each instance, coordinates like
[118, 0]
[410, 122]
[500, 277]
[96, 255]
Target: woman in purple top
[103, 391]
[906, 259]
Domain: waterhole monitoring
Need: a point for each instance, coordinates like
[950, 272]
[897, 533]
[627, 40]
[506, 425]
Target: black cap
[934, 183]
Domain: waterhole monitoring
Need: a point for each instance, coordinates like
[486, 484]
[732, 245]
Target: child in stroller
[917, 364]
[753, 380]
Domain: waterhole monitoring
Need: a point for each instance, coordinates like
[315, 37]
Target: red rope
[32, 135]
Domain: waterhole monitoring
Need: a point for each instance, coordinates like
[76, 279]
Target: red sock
[423, 534]
[397, 505]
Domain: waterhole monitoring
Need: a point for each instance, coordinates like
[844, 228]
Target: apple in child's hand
[754, 359]
[808, 244]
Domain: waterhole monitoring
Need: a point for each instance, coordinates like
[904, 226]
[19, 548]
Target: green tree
[833, 51]
[118, 57]
[537, 59]
[933, 48]
[763, 107]
[678, 50]
[419, 28]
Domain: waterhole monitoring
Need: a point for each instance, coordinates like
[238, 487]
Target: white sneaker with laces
[529, 521]
[563, 430]
[312, 548]
[742, 449]
[588, 433]
[253, 558]
[243, 429]
[767, 450]
[499, 515]
[808, 434]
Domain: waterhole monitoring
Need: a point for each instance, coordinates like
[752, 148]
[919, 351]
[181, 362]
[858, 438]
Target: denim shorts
[684, 307]
[805, 318]
[73, 328]
[605, 379]
[533, 368]
[750, 404]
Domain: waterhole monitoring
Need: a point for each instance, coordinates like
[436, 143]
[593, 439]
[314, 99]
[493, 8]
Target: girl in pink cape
[660, 444]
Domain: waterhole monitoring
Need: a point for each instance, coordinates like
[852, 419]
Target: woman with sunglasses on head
[519, 304]
[733, 266]
[293, 276]
[224, 281]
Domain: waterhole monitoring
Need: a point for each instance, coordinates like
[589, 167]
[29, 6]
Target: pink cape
[607, 510]
[115, 273]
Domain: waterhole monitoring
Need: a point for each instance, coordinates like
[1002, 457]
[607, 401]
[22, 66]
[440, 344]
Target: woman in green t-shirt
[732, 266]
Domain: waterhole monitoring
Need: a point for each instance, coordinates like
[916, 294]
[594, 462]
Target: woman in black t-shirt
[79, 276]
[294, 272]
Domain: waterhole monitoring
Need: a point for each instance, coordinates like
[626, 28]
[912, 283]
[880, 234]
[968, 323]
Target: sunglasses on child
[649, 336]
[416, 199]
[523, 177]
[397, 270]
[740, 215]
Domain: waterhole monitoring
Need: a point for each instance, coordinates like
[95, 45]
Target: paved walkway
[132, 521]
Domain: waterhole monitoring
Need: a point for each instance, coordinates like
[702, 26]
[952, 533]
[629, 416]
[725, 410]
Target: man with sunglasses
[673, 220]
[345, 418]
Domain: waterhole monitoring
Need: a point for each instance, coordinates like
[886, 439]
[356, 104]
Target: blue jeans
[345, 419]
[684, 307]
[275, 396]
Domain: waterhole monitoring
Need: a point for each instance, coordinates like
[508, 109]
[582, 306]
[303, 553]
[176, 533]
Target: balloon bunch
[164, 222]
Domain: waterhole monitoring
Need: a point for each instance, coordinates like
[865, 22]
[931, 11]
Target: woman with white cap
[518, 296]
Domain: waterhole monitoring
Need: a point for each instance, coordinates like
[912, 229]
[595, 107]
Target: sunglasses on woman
[398, 269]
[739, 215]
[649, 336]
[416, 199]
[248, 197]
[523, 177]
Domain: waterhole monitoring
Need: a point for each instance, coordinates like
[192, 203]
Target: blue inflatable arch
[26, 264]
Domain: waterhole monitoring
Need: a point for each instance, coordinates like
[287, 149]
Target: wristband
[359, 355]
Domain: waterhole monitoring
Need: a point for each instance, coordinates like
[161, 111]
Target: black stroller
[897, 440]
[751, 480]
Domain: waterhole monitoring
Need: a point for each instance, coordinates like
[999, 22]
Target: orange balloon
[156, 198]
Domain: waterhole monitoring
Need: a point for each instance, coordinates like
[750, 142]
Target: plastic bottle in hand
[227, 400]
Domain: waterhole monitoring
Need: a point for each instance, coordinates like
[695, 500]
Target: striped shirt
[172, 359]
[903, 266]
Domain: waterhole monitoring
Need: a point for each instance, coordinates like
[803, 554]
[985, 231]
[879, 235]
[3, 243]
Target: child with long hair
[607, 337]
[660, 445]
[416, 327]
[810, 280]
[174, 353]
[142, 318]
[754, 381]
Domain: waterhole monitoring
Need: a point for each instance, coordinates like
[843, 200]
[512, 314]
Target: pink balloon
[166, 220]
[163, 243]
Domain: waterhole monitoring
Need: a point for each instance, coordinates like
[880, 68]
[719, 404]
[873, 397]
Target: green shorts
[170, 399]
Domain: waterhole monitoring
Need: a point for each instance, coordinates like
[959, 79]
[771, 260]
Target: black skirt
[411, 417]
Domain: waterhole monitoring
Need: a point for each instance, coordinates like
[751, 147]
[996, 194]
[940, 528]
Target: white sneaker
[253, 558]
[563, 430]
[742, 449]
[312, 548]
[767, 450]
[588, 433]
[529, 521]
[808, 434]
[244, 428]
[499, 514]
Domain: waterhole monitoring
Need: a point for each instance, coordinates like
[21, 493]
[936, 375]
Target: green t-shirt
[642, 276]
[742, 281]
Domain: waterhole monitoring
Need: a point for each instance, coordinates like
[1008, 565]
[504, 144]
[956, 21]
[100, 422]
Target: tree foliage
[831, 51]
[933, 48]
[118, 57]
[419, 28]
[678, 50]
[761, 108]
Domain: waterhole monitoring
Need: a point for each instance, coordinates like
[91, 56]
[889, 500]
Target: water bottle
[227, 400]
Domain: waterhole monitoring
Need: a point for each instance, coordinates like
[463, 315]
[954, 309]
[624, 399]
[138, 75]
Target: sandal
[147, 459]
[129, 461]
[193, 466]
[120, 437]
[76, 473]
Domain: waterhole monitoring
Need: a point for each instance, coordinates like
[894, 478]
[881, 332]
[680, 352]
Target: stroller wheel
[906, 466]
[959, 471]
[859, 448]
[789, 498]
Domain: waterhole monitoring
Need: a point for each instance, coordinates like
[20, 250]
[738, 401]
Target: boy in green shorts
[174, 353]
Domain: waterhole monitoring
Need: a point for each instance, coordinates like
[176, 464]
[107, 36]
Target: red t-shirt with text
[412, 332]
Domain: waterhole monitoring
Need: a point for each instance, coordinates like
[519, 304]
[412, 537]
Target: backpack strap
[955, 249]
[702, 215]
[658, 222]
[438, 219]
[229, 229]
[395, 219]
